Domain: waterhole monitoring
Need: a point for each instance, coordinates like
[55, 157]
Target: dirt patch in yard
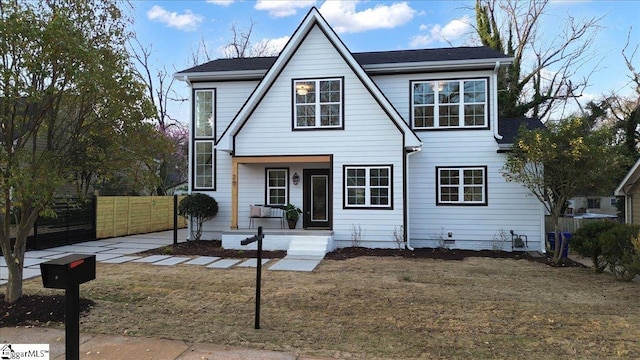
[373, 307]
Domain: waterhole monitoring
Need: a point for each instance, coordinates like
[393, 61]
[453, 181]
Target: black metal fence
[75, 222]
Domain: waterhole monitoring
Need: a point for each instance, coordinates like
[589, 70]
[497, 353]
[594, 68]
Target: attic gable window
[318, 104]
[449, 104]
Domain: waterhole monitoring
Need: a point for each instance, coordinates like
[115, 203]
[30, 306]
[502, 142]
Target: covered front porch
[302, 180]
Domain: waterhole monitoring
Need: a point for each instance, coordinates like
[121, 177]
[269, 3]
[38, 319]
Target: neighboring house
[380, 142]
[629, 189]
[592, 205]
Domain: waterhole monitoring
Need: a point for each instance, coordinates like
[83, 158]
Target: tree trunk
[558, 238]
[14, 284]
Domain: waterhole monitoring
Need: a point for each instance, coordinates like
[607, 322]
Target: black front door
[317, 198]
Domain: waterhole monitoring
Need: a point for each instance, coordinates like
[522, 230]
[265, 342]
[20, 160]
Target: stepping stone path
[120, 250]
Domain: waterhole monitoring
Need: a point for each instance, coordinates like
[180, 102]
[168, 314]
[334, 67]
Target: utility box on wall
[68, 271]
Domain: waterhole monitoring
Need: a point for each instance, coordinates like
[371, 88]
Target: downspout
[189, 155]
[494, 102]
[406, 231]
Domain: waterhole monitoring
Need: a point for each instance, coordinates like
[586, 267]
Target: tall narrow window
[317, 103]
[462, 186]
[368, 186]
[449, 104]
[204, 113]
[277, 186]
[204, 129]
[204, 164]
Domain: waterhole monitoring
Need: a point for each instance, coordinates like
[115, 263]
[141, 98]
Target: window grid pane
[470, 190]
[459, 103]
[204, 113]
[321, 106]
[203, 167]
[277, 186]
[368, 186]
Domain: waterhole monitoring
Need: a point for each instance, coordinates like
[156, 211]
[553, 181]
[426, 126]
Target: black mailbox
[68, 271]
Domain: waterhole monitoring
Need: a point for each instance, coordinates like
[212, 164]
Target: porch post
[234, 193]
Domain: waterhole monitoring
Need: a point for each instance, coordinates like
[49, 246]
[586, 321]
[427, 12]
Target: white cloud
[224, 3]
[273, 46]
[454, 30]
[283, 8]
[343, 17]
[187, 21]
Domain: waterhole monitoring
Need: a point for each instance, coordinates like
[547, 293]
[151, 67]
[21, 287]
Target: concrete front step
[309, 246]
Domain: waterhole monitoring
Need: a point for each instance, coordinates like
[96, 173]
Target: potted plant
[292, 213]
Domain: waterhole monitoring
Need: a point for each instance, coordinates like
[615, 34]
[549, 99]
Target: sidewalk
[113, 347]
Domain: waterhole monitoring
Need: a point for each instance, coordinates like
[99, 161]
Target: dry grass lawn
[376, 307]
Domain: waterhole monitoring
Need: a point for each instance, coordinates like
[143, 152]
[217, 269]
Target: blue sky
[174, 29]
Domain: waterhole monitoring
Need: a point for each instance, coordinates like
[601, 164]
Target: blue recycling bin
[551, 238]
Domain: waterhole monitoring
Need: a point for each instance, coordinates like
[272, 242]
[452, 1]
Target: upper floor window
[204, 113]
[317, 103]
[368, 186]
[204, 129]
[277, 186]
[449, 104]
[462, 186]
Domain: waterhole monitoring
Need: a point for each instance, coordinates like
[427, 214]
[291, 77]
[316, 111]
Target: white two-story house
[371, 146]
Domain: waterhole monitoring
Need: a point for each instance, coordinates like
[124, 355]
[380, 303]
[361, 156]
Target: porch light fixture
[302, 89]
[296, 179]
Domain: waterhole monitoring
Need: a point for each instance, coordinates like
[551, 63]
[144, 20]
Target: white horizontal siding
[510, 206]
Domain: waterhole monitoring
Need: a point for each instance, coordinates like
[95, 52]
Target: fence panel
[130, 215]
[568, 224]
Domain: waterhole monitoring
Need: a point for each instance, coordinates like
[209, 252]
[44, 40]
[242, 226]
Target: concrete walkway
[122, 249]
[111, 347]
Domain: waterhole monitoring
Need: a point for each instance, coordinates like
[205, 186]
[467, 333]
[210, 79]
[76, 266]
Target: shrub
[586, 242]
[201, 208]
[619, 251]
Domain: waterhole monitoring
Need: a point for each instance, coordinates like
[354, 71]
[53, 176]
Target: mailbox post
[68, 273]
[248, 241]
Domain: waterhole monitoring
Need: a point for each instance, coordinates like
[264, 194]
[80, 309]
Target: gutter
[406, 230]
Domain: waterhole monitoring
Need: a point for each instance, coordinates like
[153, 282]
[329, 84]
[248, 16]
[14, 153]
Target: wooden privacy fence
[569, 224]
[130, 215]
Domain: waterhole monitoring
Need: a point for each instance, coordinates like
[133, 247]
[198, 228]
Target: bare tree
[159, 87]
[240, 45]
[544, 72]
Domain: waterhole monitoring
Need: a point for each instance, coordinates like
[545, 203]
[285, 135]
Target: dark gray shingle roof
[508, 127]
[364, 58]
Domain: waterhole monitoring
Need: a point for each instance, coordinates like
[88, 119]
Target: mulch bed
[37, 310]
[32, 310]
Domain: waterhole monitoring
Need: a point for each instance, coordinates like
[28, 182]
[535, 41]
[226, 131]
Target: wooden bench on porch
[265, 212]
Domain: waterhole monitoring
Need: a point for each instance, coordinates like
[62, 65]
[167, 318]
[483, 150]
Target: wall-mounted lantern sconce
[296, 179]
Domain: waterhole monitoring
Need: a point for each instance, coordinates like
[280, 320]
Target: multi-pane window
[368, 186]
[449, 104]
[276, 183]
[318, 103]
[203, 139]
[204, 164]
[204, 113]
[462, 185]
